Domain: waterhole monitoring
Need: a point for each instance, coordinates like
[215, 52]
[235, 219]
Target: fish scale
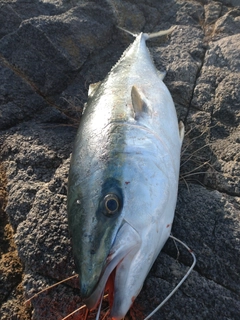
[123, 178]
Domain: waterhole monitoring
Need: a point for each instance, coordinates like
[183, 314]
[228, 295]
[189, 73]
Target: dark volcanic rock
[9, 19]
[19, 100]
[50, 51]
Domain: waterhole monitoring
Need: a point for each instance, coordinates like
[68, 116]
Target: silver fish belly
[123, 179]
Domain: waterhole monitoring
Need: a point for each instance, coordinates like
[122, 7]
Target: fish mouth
[127, 242]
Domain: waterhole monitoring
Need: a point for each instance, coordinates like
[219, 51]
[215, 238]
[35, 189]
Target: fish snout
[89, 276]
[87, 285]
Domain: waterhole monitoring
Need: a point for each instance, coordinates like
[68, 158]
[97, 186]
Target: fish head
[94, 217]
[117, 231]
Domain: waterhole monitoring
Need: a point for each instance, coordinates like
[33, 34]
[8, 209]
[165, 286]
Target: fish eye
[111, 203]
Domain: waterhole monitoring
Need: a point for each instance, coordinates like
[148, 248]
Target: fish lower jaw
[93, 300]
[105, 284]
[116, 311]
[126, 244]
[118, 315]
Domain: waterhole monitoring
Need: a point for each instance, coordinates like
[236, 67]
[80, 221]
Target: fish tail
[159, 33]
[127, 31]
[150, 35]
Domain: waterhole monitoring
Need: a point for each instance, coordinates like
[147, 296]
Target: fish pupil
[111, 203]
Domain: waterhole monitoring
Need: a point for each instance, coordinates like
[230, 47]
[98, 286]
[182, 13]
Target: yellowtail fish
[123, 179]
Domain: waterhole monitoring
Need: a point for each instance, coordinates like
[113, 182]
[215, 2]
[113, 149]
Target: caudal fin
[159, 33]
[127, 31]
[150, 35]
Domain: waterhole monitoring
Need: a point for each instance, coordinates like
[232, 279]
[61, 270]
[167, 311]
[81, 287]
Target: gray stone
[212, 12]
[9, 20]
[15, 107]
[48, 51]
[224, 175]
[228, 24]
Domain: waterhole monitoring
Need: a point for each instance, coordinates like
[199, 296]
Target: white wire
[179, 284]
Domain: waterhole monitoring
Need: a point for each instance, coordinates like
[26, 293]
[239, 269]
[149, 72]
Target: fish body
[123, 179]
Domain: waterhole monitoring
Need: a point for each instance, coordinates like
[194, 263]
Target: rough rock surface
[50, 51]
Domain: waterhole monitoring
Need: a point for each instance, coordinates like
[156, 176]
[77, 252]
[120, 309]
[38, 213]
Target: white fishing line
[180, 283]
[102, 296]
[100, 306]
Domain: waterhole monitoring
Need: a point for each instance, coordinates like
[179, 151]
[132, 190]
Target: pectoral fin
[92, 88]
[139, 103]
[181, 130]
[161, 74]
